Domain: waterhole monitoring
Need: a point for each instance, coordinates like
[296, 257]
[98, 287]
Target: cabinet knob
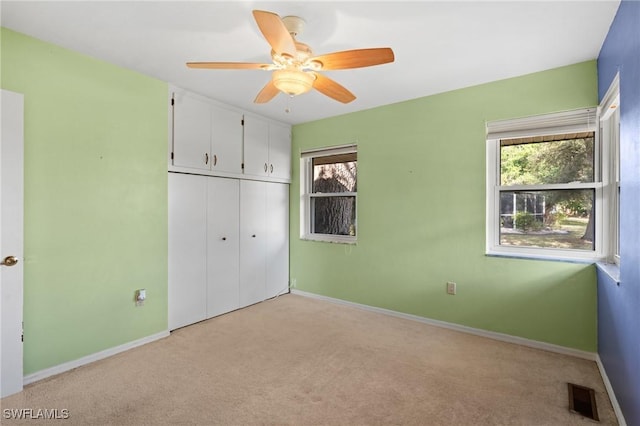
[265, 167]
[253, 236]
[215, 159]
[271, 168]
[224, 238]
[206, 158]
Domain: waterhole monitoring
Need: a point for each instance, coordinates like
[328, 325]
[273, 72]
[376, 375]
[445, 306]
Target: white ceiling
[439, 46]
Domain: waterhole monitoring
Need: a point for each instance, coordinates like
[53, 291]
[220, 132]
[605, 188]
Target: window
[328, 187]
[548, 187]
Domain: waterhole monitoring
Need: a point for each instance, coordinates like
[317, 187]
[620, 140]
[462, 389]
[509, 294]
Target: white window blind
[322, 152]
[575, 121]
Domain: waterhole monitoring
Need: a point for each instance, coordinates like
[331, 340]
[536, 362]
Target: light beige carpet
[300, 361]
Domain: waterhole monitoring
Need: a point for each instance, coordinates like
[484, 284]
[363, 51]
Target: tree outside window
[552, 214]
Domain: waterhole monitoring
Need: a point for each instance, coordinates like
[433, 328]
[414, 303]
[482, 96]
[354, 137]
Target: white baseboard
[591, 356]
[612, 395]
[61, 368]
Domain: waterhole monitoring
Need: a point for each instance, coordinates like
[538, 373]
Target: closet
[228, 227]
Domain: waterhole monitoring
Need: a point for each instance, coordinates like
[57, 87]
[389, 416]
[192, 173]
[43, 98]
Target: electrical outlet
[451, 287]
[294, 282]
[140, 297]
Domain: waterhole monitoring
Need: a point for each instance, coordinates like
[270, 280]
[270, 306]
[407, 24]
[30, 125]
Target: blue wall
[619, 305]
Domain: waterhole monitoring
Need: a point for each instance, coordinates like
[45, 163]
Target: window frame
[307, 194]
[575, 121]
[609, 125]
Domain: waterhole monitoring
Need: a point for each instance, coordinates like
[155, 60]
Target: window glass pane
[335, 173]
[562, 219]
[547, 159]
[334, 215]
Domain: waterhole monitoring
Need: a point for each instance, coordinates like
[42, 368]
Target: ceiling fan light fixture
[293, 82]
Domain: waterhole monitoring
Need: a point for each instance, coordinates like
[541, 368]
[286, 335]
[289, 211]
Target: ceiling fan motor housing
[294, 24]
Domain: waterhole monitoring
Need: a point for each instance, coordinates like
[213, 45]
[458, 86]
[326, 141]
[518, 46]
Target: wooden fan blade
[227, 65]
[275, 32]
[328, 87]
[268, 92]
[357, 58]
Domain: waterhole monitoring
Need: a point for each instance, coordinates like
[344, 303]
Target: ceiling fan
[295, 69]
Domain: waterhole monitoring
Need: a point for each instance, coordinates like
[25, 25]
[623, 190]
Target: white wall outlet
[140, 296]
[294, 282]
[451, 287]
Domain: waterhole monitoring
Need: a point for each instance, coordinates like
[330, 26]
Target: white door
[187, 249]
[253, 239]
[277, 251]
[11, 242]
[223, 245]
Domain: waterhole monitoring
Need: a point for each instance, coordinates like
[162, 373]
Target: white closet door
[277, 251]
[224, 246]
[187, 249]
[253, 238]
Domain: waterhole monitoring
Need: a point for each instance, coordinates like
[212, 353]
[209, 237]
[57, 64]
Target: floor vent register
[582, 400]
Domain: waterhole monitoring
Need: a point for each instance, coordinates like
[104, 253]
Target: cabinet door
[279, 151]
[187, 249]
[277, 251]
[256, 146]
[226, 140]
[191, 132]
[252, 242]
[224, 246]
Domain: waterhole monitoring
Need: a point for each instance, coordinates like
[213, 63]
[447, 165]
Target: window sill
[541, 257]
[611, 269]
[330, 239]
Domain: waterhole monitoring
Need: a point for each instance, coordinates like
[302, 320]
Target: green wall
[95, 201]
[421, 215]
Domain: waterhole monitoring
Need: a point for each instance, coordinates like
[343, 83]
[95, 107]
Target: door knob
[9, 261]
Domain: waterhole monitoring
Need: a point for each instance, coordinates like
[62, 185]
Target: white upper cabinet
[267, 149]
[256, 146]
[279, 151]
[191, 132]
[226, 140]
[206, 137]
[210, 138]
